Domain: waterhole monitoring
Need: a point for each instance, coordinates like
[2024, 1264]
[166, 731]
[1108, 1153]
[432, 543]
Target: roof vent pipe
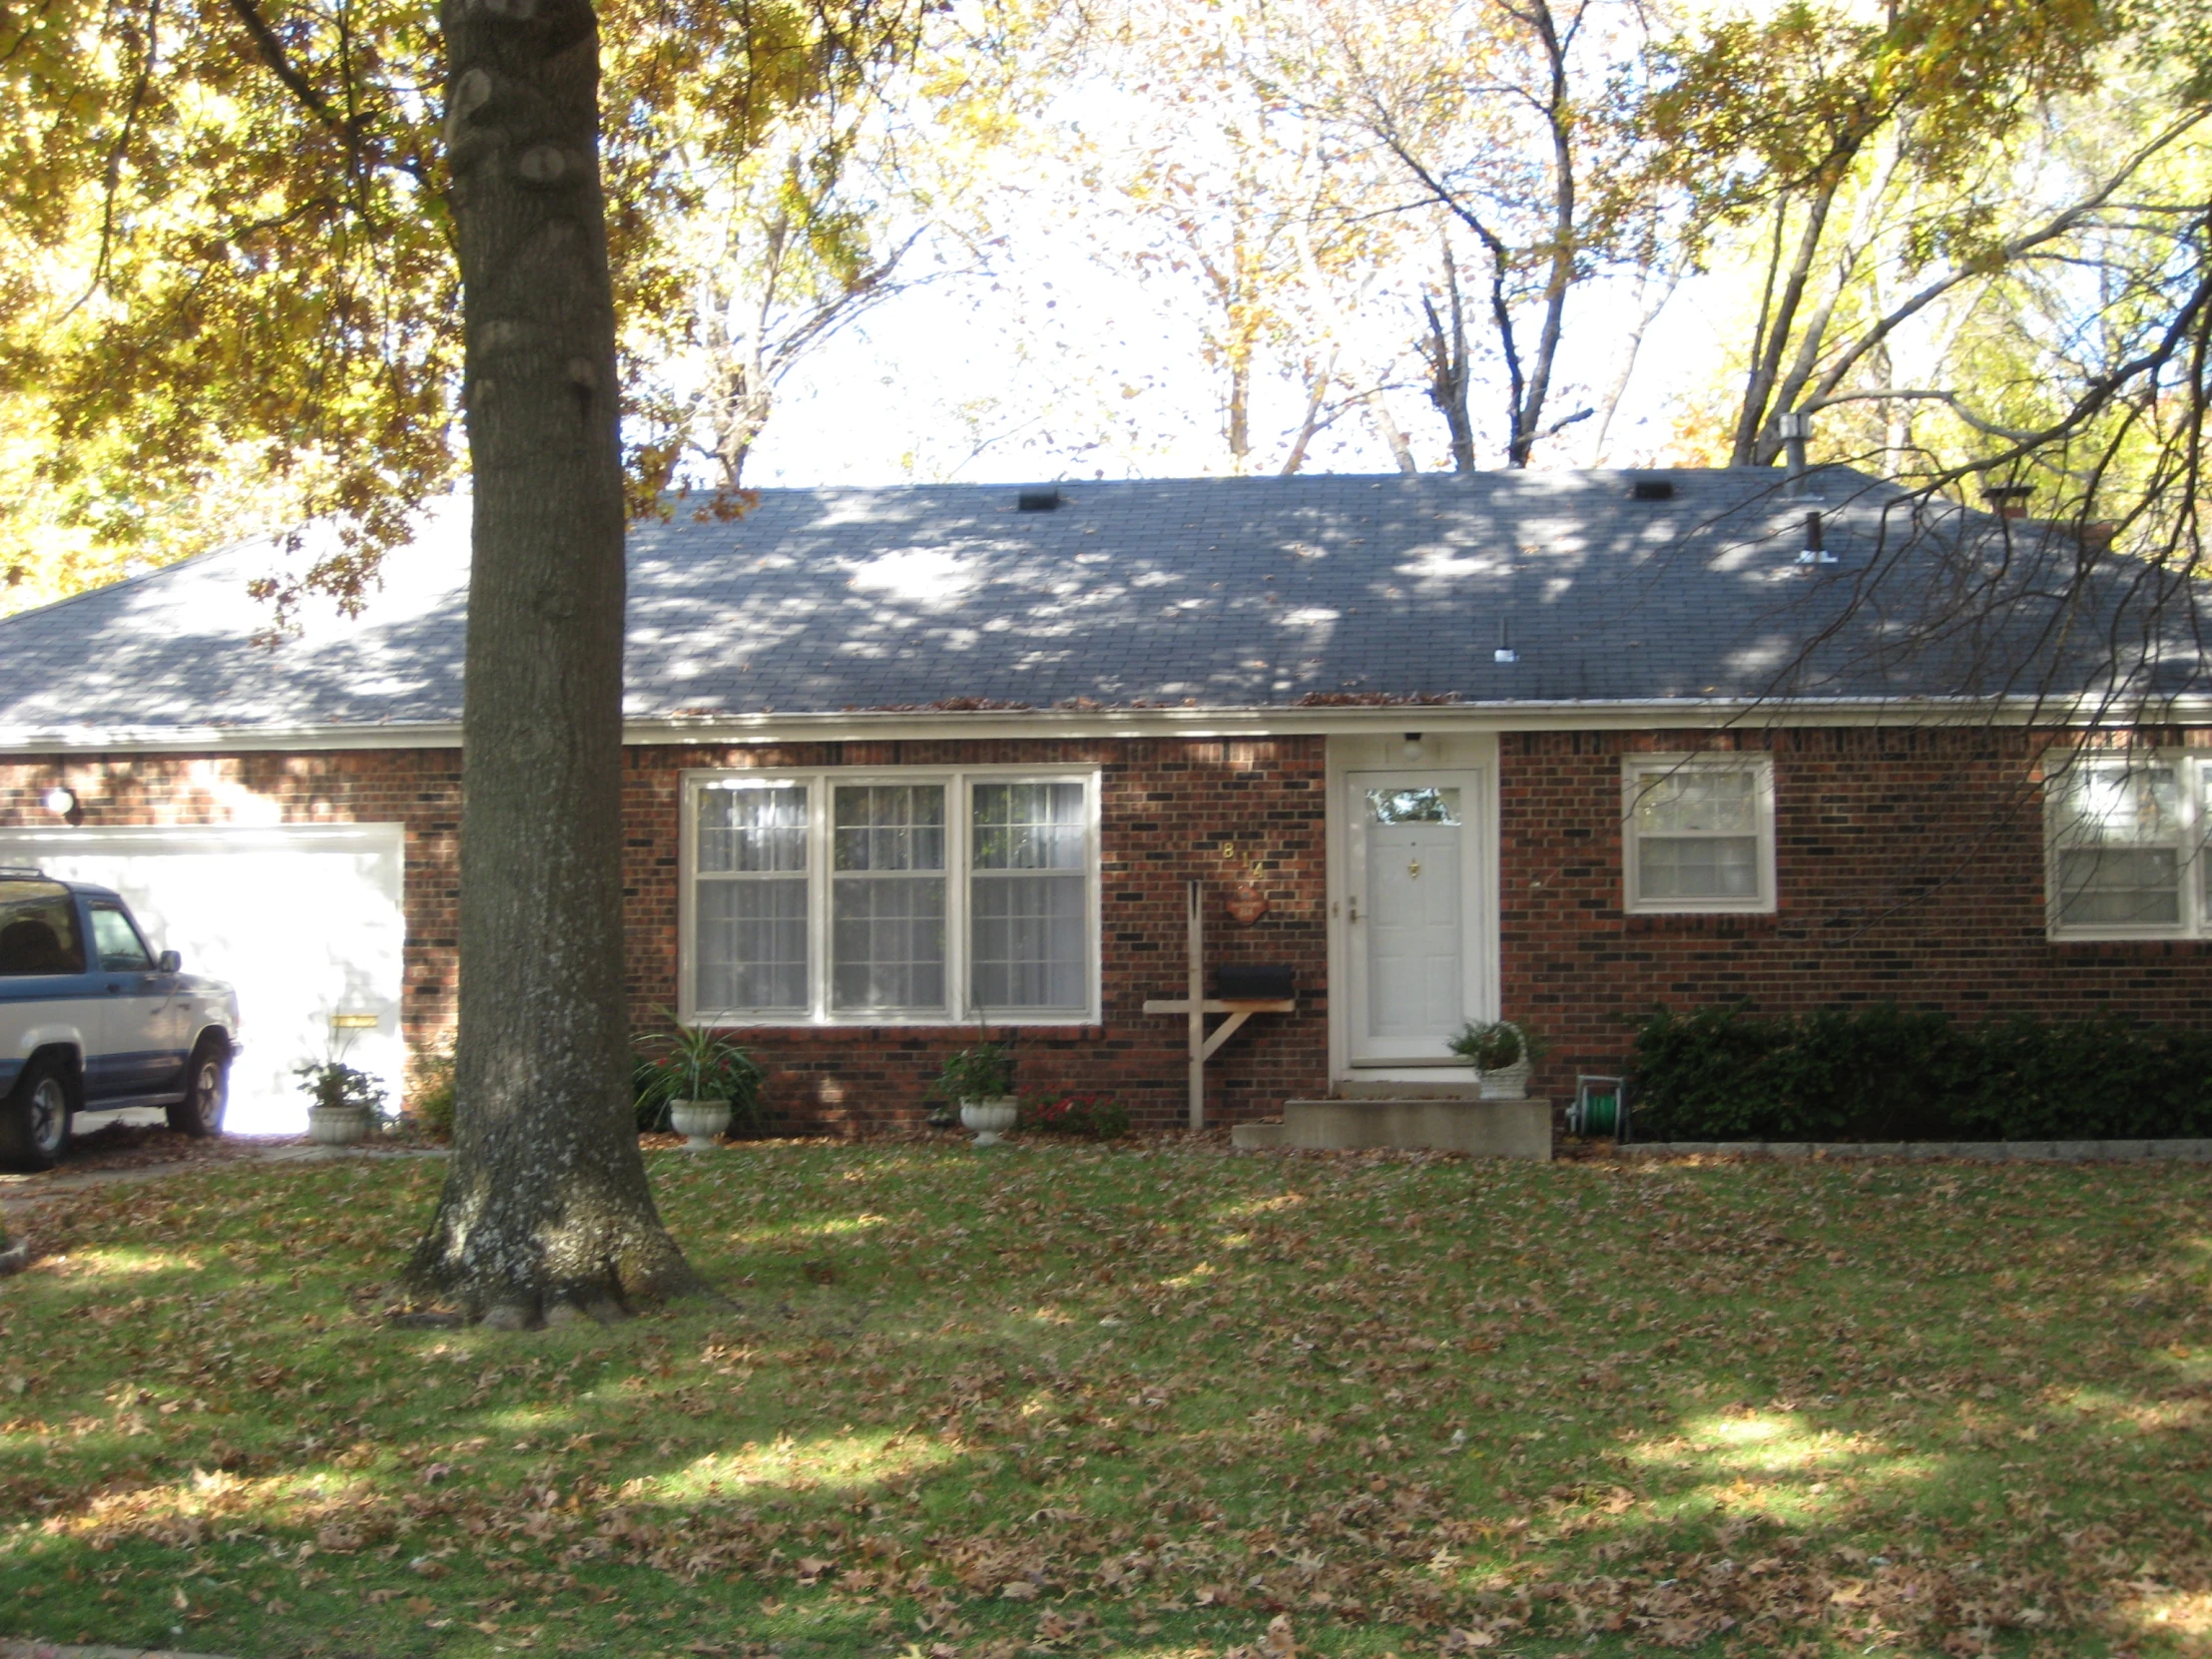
[1794, 427]
[1504, 651]
[1816, 552]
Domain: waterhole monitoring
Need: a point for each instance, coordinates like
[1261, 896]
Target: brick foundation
[1167, 806]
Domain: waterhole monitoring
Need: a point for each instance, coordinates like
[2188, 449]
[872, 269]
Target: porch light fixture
[62, 801]
[1412, 746]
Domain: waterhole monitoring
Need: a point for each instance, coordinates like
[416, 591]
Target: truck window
[38, 930]
[121, 948]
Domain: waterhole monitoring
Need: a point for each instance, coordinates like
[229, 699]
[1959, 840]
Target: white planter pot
[1504, 1082]
[699, 1122]
[990, 1118]
[338, 1125]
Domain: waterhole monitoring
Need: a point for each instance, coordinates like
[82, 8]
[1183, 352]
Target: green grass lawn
[1160, 1401]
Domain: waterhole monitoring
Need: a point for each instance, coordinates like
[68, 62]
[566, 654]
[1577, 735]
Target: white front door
[1410, 912]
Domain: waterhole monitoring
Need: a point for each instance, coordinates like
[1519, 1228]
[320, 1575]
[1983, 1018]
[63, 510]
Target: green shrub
[1091, 1117]
[333, 1083]
[984, 1072]
[1496, 1044]
[1881, 1073]
[430, 1100]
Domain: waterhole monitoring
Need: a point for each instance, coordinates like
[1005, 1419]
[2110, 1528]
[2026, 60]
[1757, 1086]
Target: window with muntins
[2125, 838]
[891, 897]
[1697, 832]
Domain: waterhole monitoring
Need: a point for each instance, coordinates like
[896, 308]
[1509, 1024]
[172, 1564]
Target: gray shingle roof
[1213, 592]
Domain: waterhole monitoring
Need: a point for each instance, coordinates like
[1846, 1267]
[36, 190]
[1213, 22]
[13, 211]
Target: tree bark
[1528, 412]
[1316, 393]
[1450, 372]
[546, 1200]
[1401, 451]
[1751, 418]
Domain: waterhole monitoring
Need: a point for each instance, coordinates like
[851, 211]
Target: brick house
[900, 763]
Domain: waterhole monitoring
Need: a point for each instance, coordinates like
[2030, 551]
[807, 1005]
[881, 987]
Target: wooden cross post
[1197, 996]
[1195, 1005]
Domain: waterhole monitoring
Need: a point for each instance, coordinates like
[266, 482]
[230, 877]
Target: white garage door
[305, 920]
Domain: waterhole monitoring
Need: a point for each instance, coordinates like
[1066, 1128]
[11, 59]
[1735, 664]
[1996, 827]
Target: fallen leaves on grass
[1777, 1408]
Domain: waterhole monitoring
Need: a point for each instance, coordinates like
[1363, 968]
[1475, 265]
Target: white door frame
[1471, 761]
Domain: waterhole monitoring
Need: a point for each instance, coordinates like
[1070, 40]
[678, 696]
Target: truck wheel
[34, 1123]
[206, 1090]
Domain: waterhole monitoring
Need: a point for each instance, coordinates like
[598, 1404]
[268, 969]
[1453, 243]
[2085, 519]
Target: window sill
[1700, 922]
[1063, 1026]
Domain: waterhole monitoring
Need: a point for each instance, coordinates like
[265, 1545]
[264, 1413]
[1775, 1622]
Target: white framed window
[2124, 835]
[915, 897]
[1697, 832]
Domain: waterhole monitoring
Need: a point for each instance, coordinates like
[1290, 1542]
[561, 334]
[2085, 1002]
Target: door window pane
[1413, 806]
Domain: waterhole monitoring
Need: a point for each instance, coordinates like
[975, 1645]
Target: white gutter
[1563, 715]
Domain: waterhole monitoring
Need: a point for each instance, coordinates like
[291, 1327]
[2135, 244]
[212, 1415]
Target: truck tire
[33, 1122]
[206, 1090]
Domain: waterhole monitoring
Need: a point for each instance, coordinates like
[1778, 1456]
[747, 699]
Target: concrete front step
[1438, 1123]
[1449, 1083]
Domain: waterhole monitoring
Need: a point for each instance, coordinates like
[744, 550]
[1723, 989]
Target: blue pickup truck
[92, 1020]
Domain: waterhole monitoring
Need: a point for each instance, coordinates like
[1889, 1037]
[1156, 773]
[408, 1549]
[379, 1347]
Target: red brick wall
[1908, 867]
[1166, 807]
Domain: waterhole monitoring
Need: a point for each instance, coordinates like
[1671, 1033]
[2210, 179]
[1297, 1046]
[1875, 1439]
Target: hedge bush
[1881, 1073]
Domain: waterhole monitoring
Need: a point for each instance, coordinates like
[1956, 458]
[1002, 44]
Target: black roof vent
[1653, 489]
[1038, 501]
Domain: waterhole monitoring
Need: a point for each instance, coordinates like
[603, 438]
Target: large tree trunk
[546, 1201]
[1450, 372]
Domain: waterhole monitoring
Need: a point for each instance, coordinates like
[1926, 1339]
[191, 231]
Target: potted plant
[342, 1101]
[702, 1081]
[1503, 1055]
[982, 1079]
